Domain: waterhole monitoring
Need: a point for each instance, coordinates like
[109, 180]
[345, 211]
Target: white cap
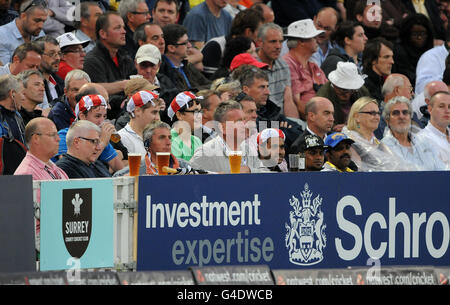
[148, 52]
[69, 39]
[346, 76]
[304, 29]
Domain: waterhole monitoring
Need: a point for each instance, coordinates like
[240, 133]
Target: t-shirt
[202, 25]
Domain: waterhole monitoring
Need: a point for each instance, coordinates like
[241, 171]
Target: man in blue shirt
[25, 28]
[207, 20]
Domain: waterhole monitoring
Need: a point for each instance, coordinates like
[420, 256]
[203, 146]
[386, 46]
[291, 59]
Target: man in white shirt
[437, 129]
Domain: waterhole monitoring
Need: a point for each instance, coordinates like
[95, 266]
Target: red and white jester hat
[141, 98]
[267, 133]
[89, 101]
[182, 99]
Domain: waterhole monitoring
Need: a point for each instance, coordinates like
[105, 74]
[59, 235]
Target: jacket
[62, 114]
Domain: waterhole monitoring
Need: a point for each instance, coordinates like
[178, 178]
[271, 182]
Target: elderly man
[338, 153]
[42, 140]
[33, 84]
[84, 148]
[63, 112]
[134, 13]
[269, 39]
[85, 26]
[25, 28]
[213, 155]
[437, 129]
[11, 123]
[415, 150]
[27, 56]
[73, 53]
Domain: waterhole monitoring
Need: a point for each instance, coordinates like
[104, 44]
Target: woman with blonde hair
[368, 152]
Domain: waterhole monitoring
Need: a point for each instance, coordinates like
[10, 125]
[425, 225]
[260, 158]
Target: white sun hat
[303, 29]
[346, 76]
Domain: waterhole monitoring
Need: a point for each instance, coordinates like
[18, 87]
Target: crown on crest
[306, 196]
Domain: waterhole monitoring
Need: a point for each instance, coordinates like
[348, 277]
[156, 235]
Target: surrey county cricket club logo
[77, 220]
[305, 237]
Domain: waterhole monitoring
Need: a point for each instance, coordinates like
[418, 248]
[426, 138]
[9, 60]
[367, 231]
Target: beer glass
[293, 162]
[235, 158]
[162, 159]
[134, 162]
[115, 137]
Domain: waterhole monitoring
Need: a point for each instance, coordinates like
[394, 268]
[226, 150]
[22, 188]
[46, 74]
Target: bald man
[422, 100]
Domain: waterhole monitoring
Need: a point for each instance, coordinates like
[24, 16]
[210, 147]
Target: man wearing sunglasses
[84, 148]
[413, 149]
[25, 28]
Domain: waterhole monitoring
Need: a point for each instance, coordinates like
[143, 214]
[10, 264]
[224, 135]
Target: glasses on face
[372, 113]
[93, 141]
[196, 111]
[419, 34]
[51, 135]
[53, 54]
[181, 43]
[40, 3]
[397, 112]
[78, 50]
[344, 91]
[141, 13]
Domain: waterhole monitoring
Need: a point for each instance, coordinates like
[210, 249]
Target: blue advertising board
[77, 219]
[294, 220]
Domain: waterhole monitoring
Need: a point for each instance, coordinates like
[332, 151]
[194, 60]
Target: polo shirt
[31, 165]
[131, 140]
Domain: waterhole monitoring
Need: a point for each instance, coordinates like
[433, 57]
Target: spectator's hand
[107, 130]
[245, 169]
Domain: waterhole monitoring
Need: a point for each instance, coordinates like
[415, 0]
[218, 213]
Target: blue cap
[332, 140]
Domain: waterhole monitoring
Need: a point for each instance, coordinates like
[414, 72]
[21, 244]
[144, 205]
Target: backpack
[12, 153]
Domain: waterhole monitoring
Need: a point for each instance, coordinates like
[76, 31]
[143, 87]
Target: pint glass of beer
[235, 158]
[162, 159]
[134, 161]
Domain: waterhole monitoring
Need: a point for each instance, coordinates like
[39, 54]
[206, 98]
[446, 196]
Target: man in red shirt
[73, 53]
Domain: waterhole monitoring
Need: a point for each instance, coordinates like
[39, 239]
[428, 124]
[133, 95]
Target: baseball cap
[332, 140]
[181, 100]
[246, 59]
[148, 52]
[310, 141]
[87, 102]
[304, 29]
[268, 133]
[69, 39]
[141, 98]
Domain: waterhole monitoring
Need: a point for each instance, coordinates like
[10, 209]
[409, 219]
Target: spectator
[338, 153]
[208, 104]
[312, 147]
[165, 12]
[54, 85]
[25, 28]
[421, 101]
[418, 153]
[226, 88]
[270, 38]
[148, 64]
[265, 10]
[33, 84]
[143, 107]
[325, 20]
[270, 152]
[107, 64]
[93, 108]
[207, 20]
[84, 147]
[350, 40]
[60, 16]
[73, 53]
[174, 65]
[150, 33]
[6, 13]
[416, 37]
[213, 155]
[370, 15]
[306, 76]
[42, 140]
[185, 112]
[134, 13]
[27, 56]
[245, 24]
[63, 112]
[346, 85]
[11, 96]
[431, 64]
[437, 130]
[85, 26]
[319, 121]
[378, 59]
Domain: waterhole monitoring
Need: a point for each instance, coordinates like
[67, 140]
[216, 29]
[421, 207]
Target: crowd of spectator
[344, 85]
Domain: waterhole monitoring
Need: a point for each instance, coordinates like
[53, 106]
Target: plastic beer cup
[235, 158]
[162, 159]
[134, 162]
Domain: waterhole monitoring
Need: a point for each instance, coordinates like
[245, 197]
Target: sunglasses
[372, 113]
[397, 112]
[40, 3]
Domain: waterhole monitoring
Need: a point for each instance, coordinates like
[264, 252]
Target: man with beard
[338, 153]
[54, 85]
[33, 84]
[413, 149]
[25, 28]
